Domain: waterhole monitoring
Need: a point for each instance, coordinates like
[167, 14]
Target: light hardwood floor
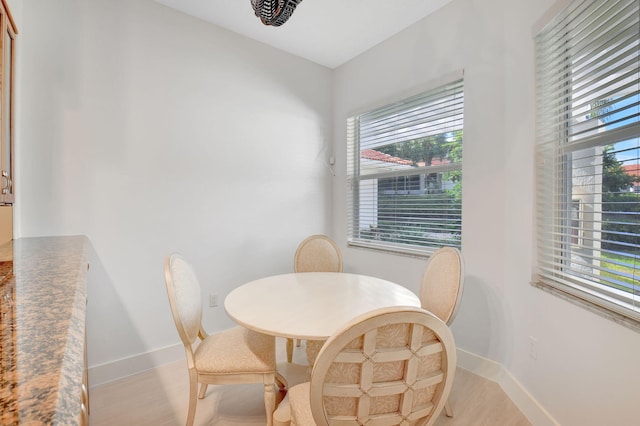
[160, 397]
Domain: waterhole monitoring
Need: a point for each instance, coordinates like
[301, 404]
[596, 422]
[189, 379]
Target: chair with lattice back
[441, 287]
[317, 253]
[390, 366]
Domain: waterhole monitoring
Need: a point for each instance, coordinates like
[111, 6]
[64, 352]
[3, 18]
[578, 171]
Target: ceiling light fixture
[274, 12]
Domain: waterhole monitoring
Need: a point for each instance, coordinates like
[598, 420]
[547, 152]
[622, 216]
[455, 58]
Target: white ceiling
[328, 32]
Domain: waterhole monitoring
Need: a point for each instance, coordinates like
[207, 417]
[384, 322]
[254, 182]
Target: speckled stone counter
[42, 330]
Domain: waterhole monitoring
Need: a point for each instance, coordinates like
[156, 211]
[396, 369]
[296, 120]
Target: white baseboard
[537, 415]
[496, 372]
[114, 370]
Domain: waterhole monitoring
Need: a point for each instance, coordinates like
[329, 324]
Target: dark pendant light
[274, 12]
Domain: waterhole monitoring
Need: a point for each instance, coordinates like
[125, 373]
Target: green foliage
[619, 271]
[455, 155]
[424, 150]
[614, 178]
[445, 146]
[418, 150]
[454, 146]
[621, 221]
[620, 208]
[431, 219]
[600, 109]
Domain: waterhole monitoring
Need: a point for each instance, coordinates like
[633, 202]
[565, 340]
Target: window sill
[588, 305]
[387, 249]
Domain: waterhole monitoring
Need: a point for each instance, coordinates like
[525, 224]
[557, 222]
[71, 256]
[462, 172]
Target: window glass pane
[406, 174]
[588, 120]
[604, 216]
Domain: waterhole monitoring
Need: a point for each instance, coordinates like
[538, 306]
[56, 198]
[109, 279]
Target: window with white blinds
[588, 155]
[404, 166]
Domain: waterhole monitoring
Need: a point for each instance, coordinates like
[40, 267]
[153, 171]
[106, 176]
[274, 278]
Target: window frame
[618, 305]
[354, 172]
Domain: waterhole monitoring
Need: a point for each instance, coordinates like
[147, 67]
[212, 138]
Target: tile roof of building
[632, 169]
[372, 154]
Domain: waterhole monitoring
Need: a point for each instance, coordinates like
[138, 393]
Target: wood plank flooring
[160, 397]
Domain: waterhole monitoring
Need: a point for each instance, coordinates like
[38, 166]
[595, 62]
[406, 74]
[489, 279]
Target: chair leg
[203, 390]
[289, 350]
[298, 342]
[193, 396]
[447, 409]
[269, 401]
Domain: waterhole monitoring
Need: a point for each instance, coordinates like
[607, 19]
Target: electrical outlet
[533, 349]
[213, 300]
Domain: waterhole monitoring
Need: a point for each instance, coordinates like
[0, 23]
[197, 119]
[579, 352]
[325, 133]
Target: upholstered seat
[317, 253]
[300, 401]
[245, 350]
[390, 366]
[232, 356]
[441, 287]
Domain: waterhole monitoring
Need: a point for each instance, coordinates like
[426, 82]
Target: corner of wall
[496, 372]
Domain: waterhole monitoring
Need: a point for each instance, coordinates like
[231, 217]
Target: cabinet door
[7, 135]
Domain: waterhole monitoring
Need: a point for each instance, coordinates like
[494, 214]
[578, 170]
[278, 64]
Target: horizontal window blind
[405, 172]
[588, 153]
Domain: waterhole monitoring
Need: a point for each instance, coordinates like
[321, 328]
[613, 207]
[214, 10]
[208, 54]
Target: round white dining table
[311, 305]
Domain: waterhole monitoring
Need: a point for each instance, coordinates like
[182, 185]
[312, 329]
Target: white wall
[15, 6]
[139, 127]
[152, 132]
[587, 368]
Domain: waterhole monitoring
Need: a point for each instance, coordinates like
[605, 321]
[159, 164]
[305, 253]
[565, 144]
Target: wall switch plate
[533, 349]
[213, 300]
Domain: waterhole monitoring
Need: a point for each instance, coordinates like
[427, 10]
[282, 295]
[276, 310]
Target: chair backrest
[386, 366]
[318, 253]
[185, 298]
[442, 283]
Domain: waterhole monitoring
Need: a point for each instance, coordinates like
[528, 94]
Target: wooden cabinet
[6, 223]
[7, 95]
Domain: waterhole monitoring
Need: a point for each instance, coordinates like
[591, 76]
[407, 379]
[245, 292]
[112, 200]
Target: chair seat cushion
[299, 405]
[236, 350]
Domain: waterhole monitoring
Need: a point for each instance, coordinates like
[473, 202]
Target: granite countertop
[42, 329]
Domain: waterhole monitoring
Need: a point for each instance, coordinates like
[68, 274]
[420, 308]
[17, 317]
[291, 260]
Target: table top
[311, 305]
